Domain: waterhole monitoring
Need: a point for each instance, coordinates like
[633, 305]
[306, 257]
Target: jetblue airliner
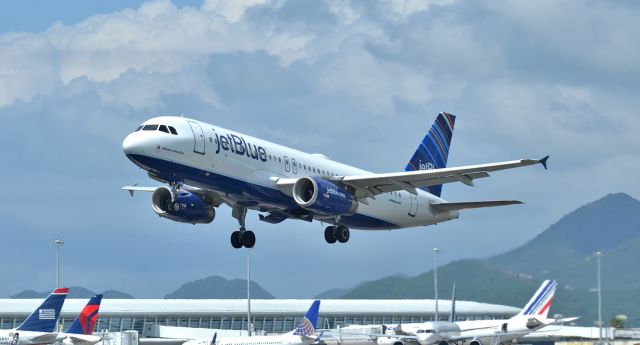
[206, 166]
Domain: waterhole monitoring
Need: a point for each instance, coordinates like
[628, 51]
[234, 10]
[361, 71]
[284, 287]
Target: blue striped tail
[433, 151]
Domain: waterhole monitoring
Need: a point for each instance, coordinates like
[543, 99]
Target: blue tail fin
[86, 321]
[307, 326]
[44, 318]
[433, 151]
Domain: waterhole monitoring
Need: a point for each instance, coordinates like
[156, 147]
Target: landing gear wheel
[248, 239]
[343, 234]
[236, 239]
[330, 234]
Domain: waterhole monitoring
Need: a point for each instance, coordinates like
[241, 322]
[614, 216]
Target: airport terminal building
[270, 316]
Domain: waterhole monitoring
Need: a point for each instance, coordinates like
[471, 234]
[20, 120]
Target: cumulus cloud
[357, 80]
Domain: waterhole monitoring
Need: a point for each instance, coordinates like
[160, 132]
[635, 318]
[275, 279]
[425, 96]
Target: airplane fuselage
[243, 170]
[255, 340]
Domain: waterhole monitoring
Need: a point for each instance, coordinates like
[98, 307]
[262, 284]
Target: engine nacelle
[389, 341]
[184, 207]
[322, 196]
[475, 341]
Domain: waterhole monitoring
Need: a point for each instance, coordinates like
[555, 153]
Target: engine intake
[184, 207]
[322, 196]
[475, 341]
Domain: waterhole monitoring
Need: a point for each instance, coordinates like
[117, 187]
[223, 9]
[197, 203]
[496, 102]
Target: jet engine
[183, 207]
[389, 341]
[323, 196]
[475, 341]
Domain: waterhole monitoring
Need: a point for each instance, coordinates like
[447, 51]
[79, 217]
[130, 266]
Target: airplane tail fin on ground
[452, 316]
[307, 326]
[433, 151]
[86, 321]
[541, 300]
[44, 318]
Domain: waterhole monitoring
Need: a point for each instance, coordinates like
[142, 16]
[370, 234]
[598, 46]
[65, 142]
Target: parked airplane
[302, 335]
[39, 327]
[531, 318]
[81, 330]
[206, 166]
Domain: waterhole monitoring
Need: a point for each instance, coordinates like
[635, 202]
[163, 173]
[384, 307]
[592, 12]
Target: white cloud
[358, 81]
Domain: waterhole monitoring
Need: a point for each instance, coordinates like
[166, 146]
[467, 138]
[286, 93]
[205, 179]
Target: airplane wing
[215, 197]
[44, 338]
[368, 186]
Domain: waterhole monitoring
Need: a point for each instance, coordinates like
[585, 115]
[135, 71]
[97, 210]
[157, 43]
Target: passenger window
[150, 127]
[163, 128]
[173, 130]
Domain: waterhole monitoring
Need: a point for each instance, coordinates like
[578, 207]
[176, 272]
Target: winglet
[543, 161]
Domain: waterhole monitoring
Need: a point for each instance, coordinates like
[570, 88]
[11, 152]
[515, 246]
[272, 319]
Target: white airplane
[531, 318]
[81, 330]
[206, 166]
[39, 327]
[302, 335]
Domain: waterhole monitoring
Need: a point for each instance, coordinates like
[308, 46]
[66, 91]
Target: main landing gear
[243, 237]
[338, 233]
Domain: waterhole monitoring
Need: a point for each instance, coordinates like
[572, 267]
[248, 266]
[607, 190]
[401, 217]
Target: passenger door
[413, 208]
[198, 137]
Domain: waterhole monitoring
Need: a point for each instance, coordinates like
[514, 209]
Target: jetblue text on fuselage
[239, 146]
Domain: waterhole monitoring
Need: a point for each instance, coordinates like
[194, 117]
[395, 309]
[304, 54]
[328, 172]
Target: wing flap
[456, 206]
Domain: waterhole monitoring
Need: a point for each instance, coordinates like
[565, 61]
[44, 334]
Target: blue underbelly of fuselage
[242, 192]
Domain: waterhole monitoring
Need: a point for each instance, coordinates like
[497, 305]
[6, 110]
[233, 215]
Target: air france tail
[433, 151]
[45, 317]
[541, 301]
[86, 321]
[307, 326]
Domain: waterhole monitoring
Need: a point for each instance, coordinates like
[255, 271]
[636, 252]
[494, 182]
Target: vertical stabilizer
[452, 316]
[541, 300]
[307, 326]
[433, 151]
[86, 321]
[45, 317]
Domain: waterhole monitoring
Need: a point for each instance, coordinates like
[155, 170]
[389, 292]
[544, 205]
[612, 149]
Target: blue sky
[358, 81]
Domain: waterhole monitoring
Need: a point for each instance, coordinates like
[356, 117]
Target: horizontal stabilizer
[456, 206]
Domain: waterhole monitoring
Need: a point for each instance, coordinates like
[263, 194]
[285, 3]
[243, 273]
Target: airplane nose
[130, 144]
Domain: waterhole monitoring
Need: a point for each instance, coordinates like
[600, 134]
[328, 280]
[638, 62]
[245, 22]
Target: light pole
[599, 255]
[435, 279]
[58, 243]
[248, 292]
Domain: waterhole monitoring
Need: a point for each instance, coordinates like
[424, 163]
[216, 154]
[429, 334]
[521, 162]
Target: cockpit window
[163, 128]
[150, 127]
[173, 130]
[426, 331]
[139, 128]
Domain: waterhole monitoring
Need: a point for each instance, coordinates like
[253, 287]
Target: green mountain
[74, 292]
[218, 287]
[564, 252]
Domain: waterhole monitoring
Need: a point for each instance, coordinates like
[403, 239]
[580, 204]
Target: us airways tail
[539, 304]
[45, 317]
[307, 326]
